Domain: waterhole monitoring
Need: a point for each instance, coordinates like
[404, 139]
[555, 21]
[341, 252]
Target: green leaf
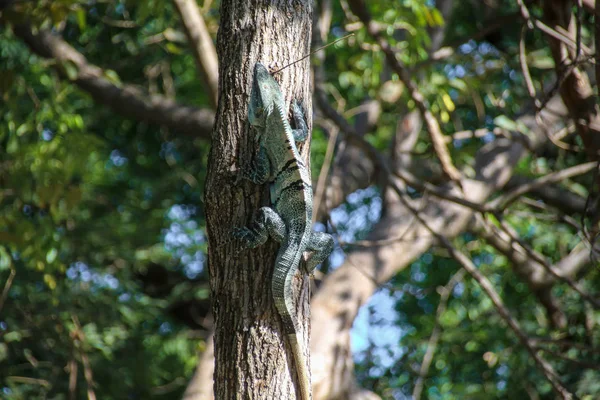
[5, 259]
[51, 255]
[112, 76]
[173, 48]
[504, 122]
[81, 18]
[70, 69]
[13, 336]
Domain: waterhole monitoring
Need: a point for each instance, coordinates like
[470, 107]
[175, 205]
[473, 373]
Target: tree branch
[200, 386]
[500, 203]
[201, 44]
[563, 199]
[126, 100]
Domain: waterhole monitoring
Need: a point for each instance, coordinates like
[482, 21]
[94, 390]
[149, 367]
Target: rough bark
[251, 357]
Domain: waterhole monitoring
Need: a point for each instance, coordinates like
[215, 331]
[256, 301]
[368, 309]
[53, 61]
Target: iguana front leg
[301, 131]
[260, 172]
[267, 223]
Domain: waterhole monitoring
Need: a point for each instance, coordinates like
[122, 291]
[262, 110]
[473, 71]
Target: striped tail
[286, 266]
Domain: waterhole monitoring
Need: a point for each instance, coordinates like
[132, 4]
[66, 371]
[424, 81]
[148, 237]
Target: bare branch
[200, 386]
[322, 181]
[7, 285]
[534, 270]
[500, 203]
[201, 44]
[78, 337]
[534, 256]
[525, 67]
[563, 199]
[126, 100]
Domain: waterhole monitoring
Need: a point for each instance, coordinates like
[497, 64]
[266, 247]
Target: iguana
[288, 221]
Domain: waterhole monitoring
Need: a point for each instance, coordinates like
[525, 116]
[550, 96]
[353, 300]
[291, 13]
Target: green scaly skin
[288, 221]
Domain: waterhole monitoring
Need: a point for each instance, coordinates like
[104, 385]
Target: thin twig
[324, 173]
[201, 44]
[562, 343]
[501, 202]
[525, 13]
[435, 333]
[525, 67]
[477, 133]
[29, 381]
[7, 285]
[572, 360]
[579, 17]
[72, 366]
[78, 337]
[561, 37]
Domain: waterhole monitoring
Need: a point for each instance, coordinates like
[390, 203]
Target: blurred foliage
[101, 218]
[92, 204]
[477, 355]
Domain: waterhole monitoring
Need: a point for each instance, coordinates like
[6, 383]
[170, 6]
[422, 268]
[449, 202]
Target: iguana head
[264, 96]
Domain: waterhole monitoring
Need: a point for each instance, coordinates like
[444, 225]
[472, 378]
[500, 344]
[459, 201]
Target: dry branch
[126, 100]
[201, 44]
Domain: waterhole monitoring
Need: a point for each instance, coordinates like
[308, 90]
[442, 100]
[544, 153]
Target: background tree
[454, 154]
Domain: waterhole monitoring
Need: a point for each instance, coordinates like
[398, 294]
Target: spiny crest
[265, 95]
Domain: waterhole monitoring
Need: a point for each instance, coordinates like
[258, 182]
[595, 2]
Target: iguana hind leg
[321, 244]
[267, 223]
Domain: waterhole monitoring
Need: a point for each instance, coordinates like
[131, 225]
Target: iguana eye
[258, 112]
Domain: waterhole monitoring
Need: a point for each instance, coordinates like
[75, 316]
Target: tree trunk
[252, 360]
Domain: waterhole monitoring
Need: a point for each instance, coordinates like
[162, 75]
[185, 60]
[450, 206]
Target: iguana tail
[301, 368]
[286, 266]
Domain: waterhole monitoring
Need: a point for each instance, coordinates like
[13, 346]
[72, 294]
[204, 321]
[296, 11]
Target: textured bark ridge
[251, 359]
